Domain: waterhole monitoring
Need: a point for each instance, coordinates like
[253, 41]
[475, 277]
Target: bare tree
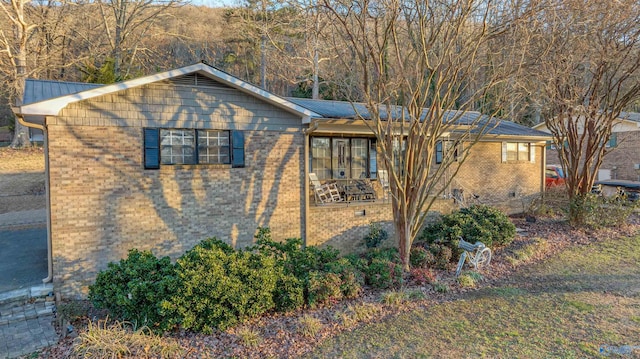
[126, 23]
[422, 64]
[14, 48]
[35, 41]
[588, 73]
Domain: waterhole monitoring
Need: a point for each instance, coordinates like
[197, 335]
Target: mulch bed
[280, 332]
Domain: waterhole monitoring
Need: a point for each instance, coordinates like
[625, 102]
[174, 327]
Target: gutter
[45, 134]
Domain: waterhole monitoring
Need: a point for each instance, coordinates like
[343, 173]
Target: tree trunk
[20, 136]
[315, 90]
[21, 133]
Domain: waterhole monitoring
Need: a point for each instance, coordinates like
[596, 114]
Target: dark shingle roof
[345, 110]
[41, 90]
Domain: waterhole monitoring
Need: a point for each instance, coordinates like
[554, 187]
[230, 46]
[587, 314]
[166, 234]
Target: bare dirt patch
[21, 179]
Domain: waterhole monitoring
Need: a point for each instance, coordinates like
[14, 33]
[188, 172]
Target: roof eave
[527, 138]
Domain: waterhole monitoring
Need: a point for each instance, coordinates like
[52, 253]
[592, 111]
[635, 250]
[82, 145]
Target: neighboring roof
[51, 100]
[626, 116]
[508, 128]
[346, 110]
[631, 116]
[41, 90]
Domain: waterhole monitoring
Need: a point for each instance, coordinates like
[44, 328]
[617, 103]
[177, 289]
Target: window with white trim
[518, 152]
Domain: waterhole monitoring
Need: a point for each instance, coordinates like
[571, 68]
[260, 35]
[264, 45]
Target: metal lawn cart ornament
[478, 255]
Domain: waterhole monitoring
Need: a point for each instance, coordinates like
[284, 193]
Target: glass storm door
[341, 158]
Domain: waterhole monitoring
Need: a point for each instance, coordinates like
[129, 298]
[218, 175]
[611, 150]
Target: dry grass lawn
[21, 179]
[582, 303]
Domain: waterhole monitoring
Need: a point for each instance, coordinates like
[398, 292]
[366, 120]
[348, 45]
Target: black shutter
[151, 148]
[237, 143]
[439, 152]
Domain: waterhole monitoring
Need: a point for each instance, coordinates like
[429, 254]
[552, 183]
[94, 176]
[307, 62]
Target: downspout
[544, 170]
[45, 135]
[312, 127]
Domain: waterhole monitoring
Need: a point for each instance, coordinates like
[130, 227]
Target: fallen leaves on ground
[279, 332]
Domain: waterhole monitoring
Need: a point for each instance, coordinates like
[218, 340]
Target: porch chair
[324, 193]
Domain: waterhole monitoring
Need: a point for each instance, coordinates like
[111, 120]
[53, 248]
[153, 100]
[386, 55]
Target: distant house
[164, 161]
[623, 162]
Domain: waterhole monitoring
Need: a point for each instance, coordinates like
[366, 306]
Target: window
[517, 152]
[213, 146]
[177, 147]
[613, 140]
[343, 158]
[440, 150]
[186, 146]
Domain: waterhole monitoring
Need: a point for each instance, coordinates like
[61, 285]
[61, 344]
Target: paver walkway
[25, 337]
[26, 328]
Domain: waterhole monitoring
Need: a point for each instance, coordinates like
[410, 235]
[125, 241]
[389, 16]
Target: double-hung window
[518, 152]
[190, 146]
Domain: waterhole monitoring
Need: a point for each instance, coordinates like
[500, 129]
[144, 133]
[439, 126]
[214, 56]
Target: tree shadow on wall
[169, 210]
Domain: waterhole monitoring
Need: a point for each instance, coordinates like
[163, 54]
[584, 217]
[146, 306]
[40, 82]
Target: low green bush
[383, 274]
[133, 289]
[443, 255]
[323, 288]
[289, 293]
[299, 262]
[476, 223]
[219, 287]
[351, 278]
[420, 257]
[376, 235]
[389, 254]
[295, 259]
[596, 211]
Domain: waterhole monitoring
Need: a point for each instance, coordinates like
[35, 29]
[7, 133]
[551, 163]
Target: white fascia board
[53, 106]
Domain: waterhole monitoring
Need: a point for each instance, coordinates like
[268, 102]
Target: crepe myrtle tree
[590, 74]
[421, 66]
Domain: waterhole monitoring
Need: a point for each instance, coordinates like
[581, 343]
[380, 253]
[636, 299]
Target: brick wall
[509, 186]
[505, 185]
[343, 226]
[103, 202]
[620, 160]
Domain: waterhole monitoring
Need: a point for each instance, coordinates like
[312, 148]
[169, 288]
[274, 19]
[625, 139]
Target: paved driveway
[23, 257]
